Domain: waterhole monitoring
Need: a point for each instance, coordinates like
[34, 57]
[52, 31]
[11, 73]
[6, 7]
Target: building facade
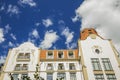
[60, 65]
[21, 61]
[95, 59]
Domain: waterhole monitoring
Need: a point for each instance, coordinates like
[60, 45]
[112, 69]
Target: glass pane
[111, 77]
[15, 76]
[71, 66]
[60, 66]
[99, 77]
[72, 76]
[49, 67]
[71, 54]
[49, 76]
[96, 64]
[107, 64]
[50, 54]
[24, 76]
[61, 76]
[60, 54]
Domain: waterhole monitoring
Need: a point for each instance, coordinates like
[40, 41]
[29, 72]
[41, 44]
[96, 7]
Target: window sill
[98, 72]
[109, 72]
[23, 60]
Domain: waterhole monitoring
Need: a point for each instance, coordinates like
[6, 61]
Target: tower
[99, 58]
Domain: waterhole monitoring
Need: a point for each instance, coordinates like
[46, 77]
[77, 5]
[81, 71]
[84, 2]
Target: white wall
[26, 47]
[43, 67]
[107, 52]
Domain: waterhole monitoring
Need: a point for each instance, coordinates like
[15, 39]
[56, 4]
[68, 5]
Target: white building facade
[94, 59]
[99, 58]
[21, 61]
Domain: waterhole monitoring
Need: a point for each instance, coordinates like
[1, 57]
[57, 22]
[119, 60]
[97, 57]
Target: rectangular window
[61, 76]
[24, 76]
[27, 55]
[49, 67]
[73, 76]
[111, 77]
[71, 66]
[70, 53]
[18, 67]
[99, 77]
[50, 54]
[60, 54]
[21, 56]
[106, 63]
[25, 67]
[49, 76]
[15, 76]
[60, 66]
[96, 64]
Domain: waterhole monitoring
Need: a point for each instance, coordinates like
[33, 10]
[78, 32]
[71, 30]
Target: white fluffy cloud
[11, 44]
[47, 22]
[2, 8]
[31, 3]
[104, 15]
[2, 39]
[68, 35]
[13, 9]
[35, 33]
[37, 24]
[13, 36]
[49, 38]
[7, 28]
[76, 18]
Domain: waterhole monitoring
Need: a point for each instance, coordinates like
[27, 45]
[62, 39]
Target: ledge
[23, 60]
[98, 72]
[109, 72]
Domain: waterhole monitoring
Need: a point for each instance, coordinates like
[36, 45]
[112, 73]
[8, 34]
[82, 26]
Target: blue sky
[49, 24]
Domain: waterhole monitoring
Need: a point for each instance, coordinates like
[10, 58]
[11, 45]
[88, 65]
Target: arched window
[70, 53]
[50, 54]
[60, 54]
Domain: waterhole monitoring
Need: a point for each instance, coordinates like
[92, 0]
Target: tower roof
[86, 32]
